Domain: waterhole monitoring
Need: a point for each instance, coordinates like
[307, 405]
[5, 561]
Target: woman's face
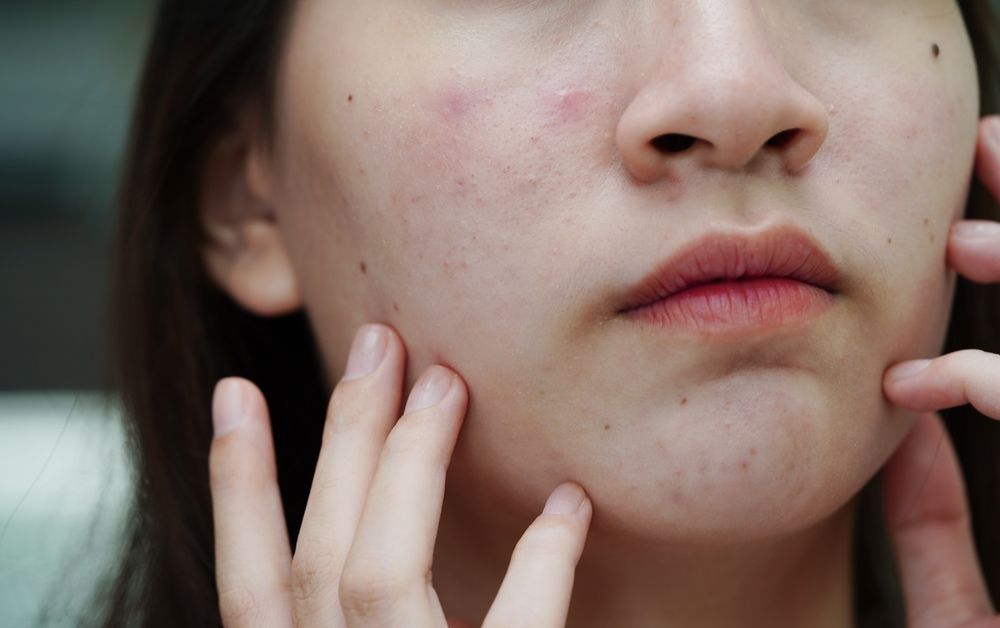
[479, 175]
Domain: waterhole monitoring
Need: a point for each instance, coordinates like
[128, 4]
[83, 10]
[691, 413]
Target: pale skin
[484, 202]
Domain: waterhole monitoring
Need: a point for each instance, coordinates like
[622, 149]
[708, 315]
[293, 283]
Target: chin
[744, 463]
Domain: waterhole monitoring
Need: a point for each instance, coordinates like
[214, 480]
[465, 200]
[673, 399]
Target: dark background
[67, 72]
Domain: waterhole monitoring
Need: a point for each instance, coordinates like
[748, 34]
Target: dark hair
[175, 334]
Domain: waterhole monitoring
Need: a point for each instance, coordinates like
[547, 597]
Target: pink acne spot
[456, 103]
[569, 105]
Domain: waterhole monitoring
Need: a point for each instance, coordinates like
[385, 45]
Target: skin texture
[479, 177]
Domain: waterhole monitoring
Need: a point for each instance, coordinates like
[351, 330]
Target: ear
[244, 250]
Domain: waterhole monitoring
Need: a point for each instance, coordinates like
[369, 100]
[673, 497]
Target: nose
[718, 97]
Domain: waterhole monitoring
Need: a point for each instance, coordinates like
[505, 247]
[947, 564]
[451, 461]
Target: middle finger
[385, 578]
[361, 412]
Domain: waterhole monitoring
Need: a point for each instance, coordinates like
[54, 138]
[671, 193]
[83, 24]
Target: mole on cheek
[363, 267]
[935, 50]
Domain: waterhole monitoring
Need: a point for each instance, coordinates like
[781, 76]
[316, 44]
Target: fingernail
[977, 229]
[367, 351]
[429, 390]
[907, 369]
[227, 406]
[564, 500]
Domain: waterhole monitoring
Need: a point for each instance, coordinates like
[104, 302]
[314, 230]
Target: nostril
[672, 142]
[780, 139]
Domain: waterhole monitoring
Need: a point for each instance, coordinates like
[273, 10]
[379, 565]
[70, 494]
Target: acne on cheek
[567, 106]
[489, 159]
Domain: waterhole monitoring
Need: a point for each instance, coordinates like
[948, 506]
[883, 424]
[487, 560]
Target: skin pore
[480, 176]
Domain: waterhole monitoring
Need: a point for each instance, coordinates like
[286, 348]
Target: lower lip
[738, 305]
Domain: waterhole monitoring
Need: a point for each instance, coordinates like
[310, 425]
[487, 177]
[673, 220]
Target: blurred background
[67, 74]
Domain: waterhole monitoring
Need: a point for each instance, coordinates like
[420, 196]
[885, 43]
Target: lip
[733, 259]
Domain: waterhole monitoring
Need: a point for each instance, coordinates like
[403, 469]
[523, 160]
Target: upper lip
[782, 251]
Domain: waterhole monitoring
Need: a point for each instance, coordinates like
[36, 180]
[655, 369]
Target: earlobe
[255, 270]
[244, 249]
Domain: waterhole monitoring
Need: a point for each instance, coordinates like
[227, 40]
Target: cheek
[479, 186]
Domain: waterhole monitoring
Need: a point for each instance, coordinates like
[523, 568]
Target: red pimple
[456, 103]
[571, 105]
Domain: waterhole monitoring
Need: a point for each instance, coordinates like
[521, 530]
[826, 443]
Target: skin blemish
[567, 106]
[889, 240]
[363, 267]
[606, 427]
[350, 98]
[935, 50]
[684, 400]
[455, 104]
[395, 306]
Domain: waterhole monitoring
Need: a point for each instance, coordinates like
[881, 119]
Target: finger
[988, 154]
[974, 249]
[385, 578]
[539, 583]
[928, 520]
[362, 410]
[973, 244]
[252, 557]
[954, 379]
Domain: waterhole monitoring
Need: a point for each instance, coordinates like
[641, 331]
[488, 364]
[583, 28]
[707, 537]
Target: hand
[926, 510]
[363, 555]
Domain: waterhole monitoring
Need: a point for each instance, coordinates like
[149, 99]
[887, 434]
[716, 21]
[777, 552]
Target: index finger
[252, 554]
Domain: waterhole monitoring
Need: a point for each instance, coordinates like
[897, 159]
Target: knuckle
[548, 536]
[240, 465]
[313, 574]
[368, 592]
[222, 473]
[404, 439]
[238, 606]
[347, 408]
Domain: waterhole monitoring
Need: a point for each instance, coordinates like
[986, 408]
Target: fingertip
[908, 370]
[228, 405]
[566, 499]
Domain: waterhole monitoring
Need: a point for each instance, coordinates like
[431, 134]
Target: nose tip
[722, 113]
[734, 150]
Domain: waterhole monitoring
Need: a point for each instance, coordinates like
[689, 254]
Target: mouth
[728, 281]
